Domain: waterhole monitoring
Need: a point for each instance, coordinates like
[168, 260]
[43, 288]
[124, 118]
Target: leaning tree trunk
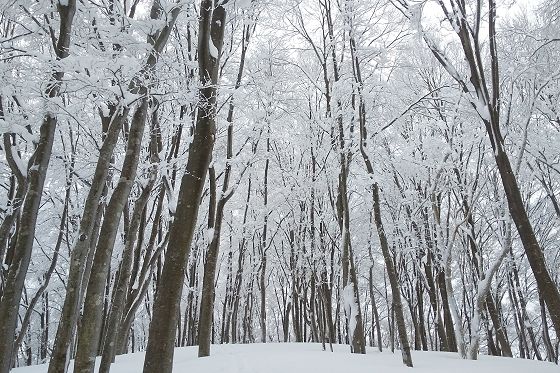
[391, 270]
[80, 252]
[36, 175]
[90, 329]
[161, 341]
[79, 258]
[393, 280]
[119, 299]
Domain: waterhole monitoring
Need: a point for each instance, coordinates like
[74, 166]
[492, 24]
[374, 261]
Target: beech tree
[298, 171]
[159, 353]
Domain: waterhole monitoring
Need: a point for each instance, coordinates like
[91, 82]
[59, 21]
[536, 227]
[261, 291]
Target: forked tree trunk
[118, 301]
[216, 222]
[91, 326]
[161, 341]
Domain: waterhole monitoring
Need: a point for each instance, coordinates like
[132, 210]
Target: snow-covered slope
[309, 358]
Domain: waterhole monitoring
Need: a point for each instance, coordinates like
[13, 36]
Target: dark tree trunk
[393, 280]
[161, 341]
[498, 327]
[215, 218]
[375, 314]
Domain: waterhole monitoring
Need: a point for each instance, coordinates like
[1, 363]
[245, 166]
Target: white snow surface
[309, 358]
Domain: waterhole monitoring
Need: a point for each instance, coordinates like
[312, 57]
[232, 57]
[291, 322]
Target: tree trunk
[389, 264]
[79, 258]
[393, 280]
[216, 223]
[119, 299]
[36, 174]
[159, 352]
[375, 314]
[262, 250]
[498, 326]
[89, 332]
[546, 285]
[15, 196]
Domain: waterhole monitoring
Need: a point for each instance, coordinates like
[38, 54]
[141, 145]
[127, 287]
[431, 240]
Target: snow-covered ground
[309, 358]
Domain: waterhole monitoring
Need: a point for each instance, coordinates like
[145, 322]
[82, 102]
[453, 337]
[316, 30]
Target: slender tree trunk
[216, 223]
[47, 276]
[420, 303]
[138, 284]
[375, 314]
[262, 249]
[389, 264]
[45, 319]
[442, 335]
[36, 174]
[393, 280]
[15, 197]
[498, 326]
[239, 273]
[551, 354]
[208, 284]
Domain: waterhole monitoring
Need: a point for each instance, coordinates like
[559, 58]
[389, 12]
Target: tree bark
[393, 280]
[389, 264]
[208, 282]
[36, 174]
[159, 352]
[81, 251]
[89, 332]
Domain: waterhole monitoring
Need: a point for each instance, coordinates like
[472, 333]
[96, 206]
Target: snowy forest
[371, 173]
